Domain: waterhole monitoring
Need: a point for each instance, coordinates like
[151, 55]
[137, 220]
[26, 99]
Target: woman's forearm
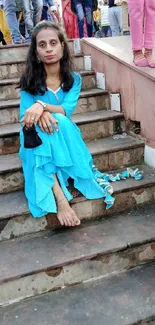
[55, 109]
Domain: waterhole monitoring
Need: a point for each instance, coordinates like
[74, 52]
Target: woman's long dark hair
[34, 78]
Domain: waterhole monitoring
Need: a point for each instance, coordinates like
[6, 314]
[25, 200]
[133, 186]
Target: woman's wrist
[44, 105]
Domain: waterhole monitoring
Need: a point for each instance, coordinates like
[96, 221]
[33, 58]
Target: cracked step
[15, 218]
[87, 252]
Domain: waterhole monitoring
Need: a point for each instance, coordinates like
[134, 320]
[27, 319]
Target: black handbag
[31, 137]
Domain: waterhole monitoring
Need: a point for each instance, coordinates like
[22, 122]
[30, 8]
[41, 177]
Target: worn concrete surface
[15, 219]
[124, 299]
[34, 265]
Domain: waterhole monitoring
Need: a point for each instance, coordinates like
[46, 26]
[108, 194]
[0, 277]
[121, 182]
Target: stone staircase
[37, 257]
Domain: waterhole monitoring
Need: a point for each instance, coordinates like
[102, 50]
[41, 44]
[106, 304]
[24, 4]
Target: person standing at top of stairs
[142, 16]
[48, 5]
[125, 18]
[105, 24]
[84, 9]
[31, 19]
[115, 18]
[10, 14]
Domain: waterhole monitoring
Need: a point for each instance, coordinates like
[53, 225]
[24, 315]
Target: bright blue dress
[65, 154]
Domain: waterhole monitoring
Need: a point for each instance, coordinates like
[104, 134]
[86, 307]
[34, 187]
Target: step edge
[104, 151]
[12, 81]
[74, 55]
[83, 199]
[80, 258]
[83, 94]
[84, 122]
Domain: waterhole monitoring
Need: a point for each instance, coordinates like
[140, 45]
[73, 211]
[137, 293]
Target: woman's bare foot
[66, 214]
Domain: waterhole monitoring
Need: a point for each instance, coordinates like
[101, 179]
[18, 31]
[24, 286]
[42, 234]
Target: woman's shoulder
[77, 77]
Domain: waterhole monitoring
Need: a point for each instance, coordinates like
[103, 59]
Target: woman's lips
[49, 57]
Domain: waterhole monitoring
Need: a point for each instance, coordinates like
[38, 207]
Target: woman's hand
[45, 121]
[32, 114]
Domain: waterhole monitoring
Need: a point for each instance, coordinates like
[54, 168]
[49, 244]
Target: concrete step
[109, 153]
[14, 67]
[39, 263]
[93, 125]
[14, 53]
[122, 299]
[90, 100]
[15, 218]
[9, 87]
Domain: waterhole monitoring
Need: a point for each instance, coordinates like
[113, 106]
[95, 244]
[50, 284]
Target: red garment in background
[70, 20]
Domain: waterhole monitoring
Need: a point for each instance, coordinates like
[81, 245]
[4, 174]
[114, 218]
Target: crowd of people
[19, 17]
[103, 18]
[98, 18]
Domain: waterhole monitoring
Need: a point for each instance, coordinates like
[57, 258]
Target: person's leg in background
[114, 25]
[103, 31]
[4, 27]
[2, 40]
[27, 13]
[118, 14]
[136, 12]
[109, 33]
[37, 6]
[88, 10]
[10, 14]
[44, 13]
[149, 31]
[80, 17]
[125, 19]
[106, 31]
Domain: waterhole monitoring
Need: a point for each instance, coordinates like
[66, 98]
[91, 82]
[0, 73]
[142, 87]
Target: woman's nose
[49, 48]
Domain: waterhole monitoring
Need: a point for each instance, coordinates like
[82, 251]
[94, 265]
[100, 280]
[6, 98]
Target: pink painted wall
[137, 88]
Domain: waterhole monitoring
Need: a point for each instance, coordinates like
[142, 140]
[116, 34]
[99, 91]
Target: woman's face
[49, 48]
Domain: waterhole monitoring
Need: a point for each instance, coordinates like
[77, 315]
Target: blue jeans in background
[10, 13]
[32, 12]
[115, 19]
[106, 31]
[84, 10]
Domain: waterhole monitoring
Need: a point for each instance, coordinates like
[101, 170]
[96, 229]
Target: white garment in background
[104, 14]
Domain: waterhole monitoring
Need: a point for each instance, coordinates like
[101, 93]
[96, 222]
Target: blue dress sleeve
[26, 101]
[70, 100]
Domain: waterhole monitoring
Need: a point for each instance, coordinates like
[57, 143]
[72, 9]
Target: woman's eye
[42, 45]
[54, 43]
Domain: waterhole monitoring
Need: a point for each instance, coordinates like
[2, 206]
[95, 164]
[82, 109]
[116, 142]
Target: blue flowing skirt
[65, 154]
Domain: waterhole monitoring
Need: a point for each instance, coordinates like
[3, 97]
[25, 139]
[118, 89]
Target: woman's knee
[62, 119]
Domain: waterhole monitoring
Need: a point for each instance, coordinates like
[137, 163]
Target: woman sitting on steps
[49, 95]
